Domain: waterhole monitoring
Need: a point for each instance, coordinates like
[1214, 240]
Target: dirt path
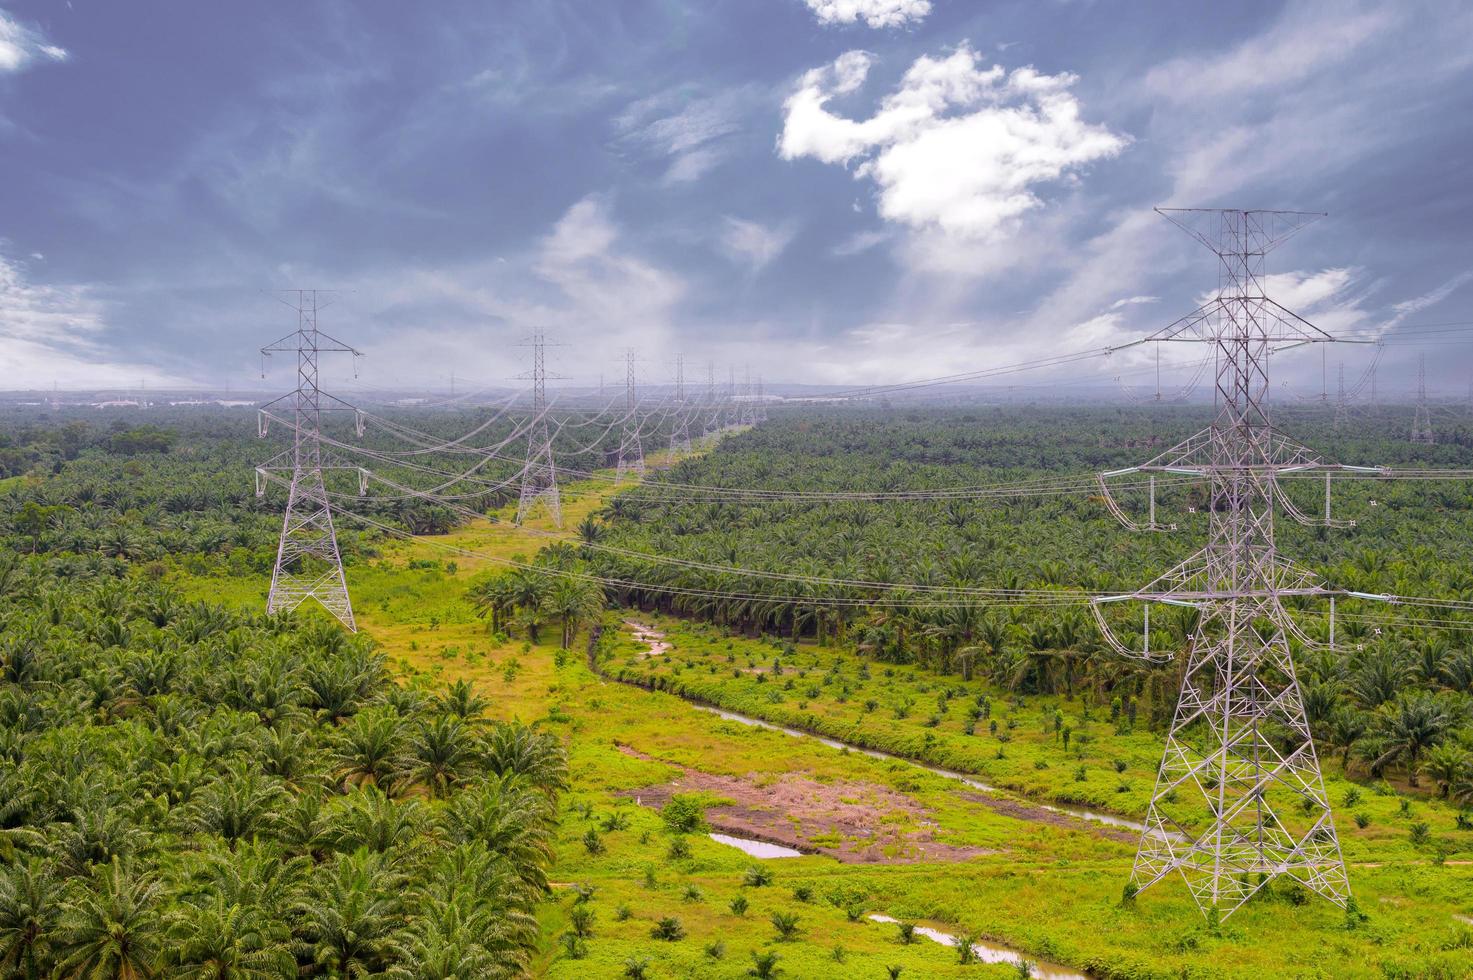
[851, 821]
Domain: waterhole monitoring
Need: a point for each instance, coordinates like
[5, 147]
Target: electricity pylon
[759, 410]
[539, 476]
[1422, 419]
[1342, 409]
[308, 563]
[631, 453]
[733, 409]
[748, 415]
[680, 434]
[713, 420]
[1239, 799]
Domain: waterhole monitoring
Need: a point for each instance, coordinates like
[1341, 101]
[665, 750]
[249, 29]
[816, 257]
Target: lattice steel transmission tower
[308, 563]
[1422, 419]
[748, 415]
[1342, 409]
[713, 419]
[680, 434]
[631, 453]
[733, 408]
[1239, 799]
[539, 475]
[759, 410]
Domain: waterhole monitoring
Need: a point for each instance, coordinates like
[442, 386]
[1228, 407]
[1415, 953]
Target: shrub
[637, 967]
[685, 813]
[786, 924]
[907, 932]
[738, 905]
[581, 918]
[593, 843]
[757, 876]
[668, 929]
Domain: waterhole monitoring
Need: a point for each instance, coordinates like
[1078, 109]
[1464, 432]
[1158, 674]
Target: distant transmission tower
[539, 476]
[749, 415]
[631, 454]
[1239, 799]
[1342, 410]
[1422, 419]
[713, 418]
[759, 411]
[733, 409]
[308, 563]
[680, 434]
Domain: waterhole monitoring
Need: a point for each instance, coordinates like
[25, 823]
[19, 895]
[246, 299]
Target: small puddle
[756, 848]
[990, 952]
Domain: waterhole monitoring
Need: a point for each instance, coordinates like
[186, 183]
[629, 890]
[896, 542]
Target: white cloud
[580, 256]
[1432, 297]
[1133, 301]
[875, 13]
[753, 244]
[21, 45]
[54, 334]
[859, 242]
[1301, 45]
[957, 147]
[693, 131]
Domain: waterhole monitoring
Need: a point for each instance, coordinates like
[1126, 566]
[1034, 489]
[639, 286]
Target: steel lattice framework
[539, 475]
[1422, 420]
[631, 452]
[308, 563]
[680, 433]
[1239, 799]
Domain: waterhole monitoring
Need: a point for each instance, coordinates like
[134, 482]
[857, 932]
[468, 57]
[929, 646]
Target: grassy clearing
[1052, 891]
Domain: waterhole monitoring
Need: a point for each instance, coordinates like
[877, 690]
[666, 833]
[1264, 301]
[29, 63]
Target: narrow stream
[756, 848]
[658, 645]
[990, 952]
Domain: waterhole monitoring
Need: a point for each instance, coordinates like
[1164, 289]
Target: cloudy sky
[837, 191]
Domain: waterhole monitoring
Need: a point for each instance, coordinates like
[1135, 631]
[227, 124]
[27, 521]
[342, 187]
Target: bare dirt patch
[854, 822]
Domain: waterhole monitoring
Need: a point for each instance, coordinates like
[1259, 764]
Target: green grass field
[1050, 888]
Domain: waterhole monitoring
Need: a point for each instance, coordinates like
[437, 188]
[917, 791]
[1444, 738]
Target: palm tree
[350, 913]
[110, 927]
[441, 754]
[368, 749]
[514, 749]
[367, 820]
[1446, 764]
[220, 941]
[575, 601]
[462, 701]
[1347, 726]
[1407, 728]
[238, 805]
[30, 903]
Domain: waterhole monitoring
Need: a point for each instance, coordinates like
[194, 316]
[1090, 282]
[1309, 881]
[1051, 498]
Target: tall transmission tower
[539, 475]
[308, 563]
[680, 434]
[759, 411]
[1239, 799]
[631, 453]
[1422, 419]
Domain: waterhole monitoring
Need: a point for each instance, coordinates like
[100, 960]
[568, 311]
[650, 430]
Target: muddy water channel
[989, 952]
